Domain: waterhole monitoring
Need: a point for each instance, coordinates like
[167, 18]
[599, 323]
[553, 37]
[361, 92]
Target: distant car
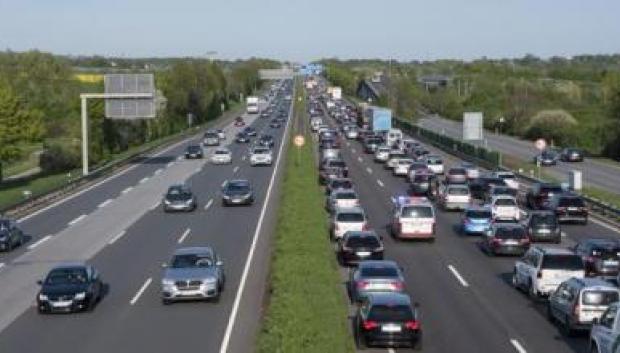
[221, 155]
[542, 269]
[237, 192]
[394, 157]
[434, 163]
[505, 239]
[242, 138]
[179, 198]
[572, 155]
[471, 170]
[509, 178]
[373, 276]
[505, 207]
[266, 141]
[264, 114]
[568, 207]
[371, 144]
[401, 167]
[239, 121]
[496, 190]
[250, 131]
[221, 134]
[476, 220]
[388, 320]
[456, 175]
[347, 219]
[382, 153]
[539, 194]
[70, 287]
[424, 183]
[338, 184]
[480, 187]
[543, 226]
[332, 168]
[261, 156]
[600, 256]
[275, 124]
[359, 246]
[351, 133]
[546, 158]
[341, 198]
[193, 152]
[10, 235]
[416, 167]
[579, 301]
[192, 273]
[412, 218]
[211, 138]
[454, 197]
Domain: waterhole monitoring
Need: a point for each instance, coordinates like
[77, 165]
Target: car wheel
[567, 328]
[360, 341]
[417, 344]
[166, 301]
[550, 313]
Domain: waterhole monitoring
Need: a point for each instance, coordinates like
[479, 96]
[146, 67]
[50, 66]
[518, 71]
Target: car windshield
[346, 196]
[562, 262]
[192, 261]
[211, 135]
[379, 271]
[261, 151]
[391, 313]
[238, 187]
[505, 202]
[336, 164]
[417, 212]
[341, 184]
[484, 214]
[362, 242]
[544, 219]
[434, 161]
[458, 191]
[350, 217]
[221, 152]
[510, 233]
[178, 194]
[571, 202]
[599, 297]
[66, 276]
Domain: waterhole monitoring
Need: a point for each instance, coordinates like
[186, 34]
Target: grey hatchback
[375, 276]
[193, 273]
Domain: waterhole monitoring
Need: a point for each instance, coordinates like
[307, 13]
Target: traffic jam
[576, 284]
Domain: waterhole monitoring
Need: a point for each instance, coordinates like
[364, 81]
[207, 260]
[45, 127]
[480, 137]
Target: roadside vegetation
[307, 311]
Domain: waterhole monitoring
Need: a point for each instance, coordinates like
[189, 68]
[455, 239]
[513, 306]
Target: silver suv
[193, 273]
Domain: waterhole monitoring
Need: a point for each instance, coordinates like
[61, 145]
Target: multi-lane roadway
[118, 225]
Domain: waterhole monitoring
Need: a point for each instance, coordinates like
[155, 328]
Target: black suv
[10, 235]
[359, 246]
[388, 320]
[571, 155]
[193, 152]
[543, 226]
[600, 256]
[479, 188]
[568, 207]
[540, 193]
[70, 287]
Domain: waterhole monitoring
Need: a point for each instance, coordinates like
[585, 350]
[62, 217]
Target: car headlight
[80, 296]
[247, 195]
[166, 202]
[227, 197]
[43, 297]
[188, 202]
[209, 280]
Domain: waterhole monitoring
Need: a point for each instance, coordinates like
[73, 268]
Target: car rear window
[458, 191]
[562, 262]
[571, 202]
[390, 313]
[550, 189]
[211, 135]
[365, 241]
[434, 161]
[417, 212]
[548, 219]
[457, 171]
[478, 214]
[421, 178]
[510, 233]
[350, 217]
[370, 272]
[599, 297]
[342, 184]
[505, 202]
[221, 152]
[336, 164]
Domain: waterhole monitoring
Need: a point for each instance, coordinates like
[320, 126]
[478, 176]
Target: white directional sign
[541, 144]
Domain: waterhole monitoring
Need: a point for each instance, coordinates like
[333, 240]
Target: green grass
[12, 193]
[29, 161]
[307, 310]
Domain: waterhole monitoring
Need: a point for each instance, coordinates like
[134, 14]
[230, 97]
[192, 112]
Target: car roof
[194, 250]
[343, 191]
[239, 181]
[502, 196]
[70, 264]
[389, 298]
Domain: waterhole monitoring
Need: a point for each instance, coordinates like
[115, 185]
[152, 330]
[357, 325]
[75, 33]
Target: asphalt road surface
[594, 173]
[119, 226]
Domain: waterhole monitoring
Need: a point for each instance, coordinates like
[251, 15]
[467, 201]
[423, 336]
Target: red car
[239, 121]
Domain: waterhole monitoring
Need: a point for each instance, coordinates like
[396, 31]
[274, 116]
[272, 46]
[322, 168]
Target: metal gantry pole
[84, 135]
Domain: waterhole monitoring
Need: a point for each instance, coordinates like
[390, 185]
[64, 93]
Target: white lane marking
[77, 219]
[41, 241]
[208, 204]
[458, 276]
[380, 183]
[1, 265]
[144, 180]
[353, 150]
[169, 164]
[105, 203]
[517, 346]
[140, 291]
[184, 235]
[348, 143]
[155, 205]
[198, 169]
[236, 169]
[127, 190]
[369, 170]
[116, 237]
[605, 225]
[224, 183]
[243, 158]
[179, 158]
[391, 350]
[158, 171]
[246, 269]
[359, 159]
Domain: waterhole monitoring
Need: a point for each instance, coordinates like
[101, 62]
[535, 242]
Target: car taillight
[525, 240]
[362, 284]
[560, 209]
[365, 226]
[496, 241]
[370, 325]
[398, 285]
[412, 325]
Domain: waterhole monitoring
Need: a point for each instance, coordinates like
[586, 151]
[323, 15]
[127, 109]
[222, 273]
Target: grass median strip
[307, 311]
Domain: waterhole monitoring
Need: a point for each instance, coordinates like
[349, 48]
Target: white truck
[605, 332]
[252, 105]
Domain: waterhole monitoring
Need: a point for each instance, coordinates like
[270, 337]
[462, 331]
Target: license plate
[61, 304]
[363, 253]
[573, 209]
[236, 201]
[391, 328]
[544, 231]
[610, 263]
[511, 242]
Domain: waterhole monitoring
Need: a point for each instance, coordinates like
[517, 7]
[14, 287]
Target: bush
[59, 157]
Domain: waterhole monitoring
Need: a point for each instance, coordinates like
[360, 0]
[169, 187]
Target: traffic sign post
[540, 144]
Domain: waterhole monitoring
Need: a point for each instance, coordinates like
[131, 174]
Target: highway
[595, 173]
[467, 301]
[119, 226]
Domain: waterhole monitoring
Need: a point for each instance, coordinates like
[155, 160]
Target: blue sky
[303, 30]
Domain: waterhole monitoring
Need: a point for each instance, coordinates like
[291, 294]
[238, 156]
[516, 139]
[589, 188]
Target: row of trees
[39, 103]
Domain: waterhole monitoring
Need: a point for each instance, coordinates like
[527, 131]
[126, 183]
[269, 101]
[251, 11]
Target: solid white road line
[243, 158]
[155, 205]
[184, 235]
[170, 164]
[235, 169]
[140, 291]
[105, 203]
[116, 237]
[517, 346]
[380, 183]
[158, 171]
[224, 183]
[127, 190]
[359, 159]
[39, 242]
[179, 158]
[144, 180]
[391, 350]
[77, 219]
[246, 269]
[605, 225]
[458, 276]
[208, 204]
[369, 170]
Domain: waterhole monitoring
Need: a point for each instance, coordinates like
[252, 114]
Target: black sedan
[506, 239]
[10, 235]
[242, 138]
[69, 288]
[266, 141]
[359, 246]
[193, 152]
[237, 192]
